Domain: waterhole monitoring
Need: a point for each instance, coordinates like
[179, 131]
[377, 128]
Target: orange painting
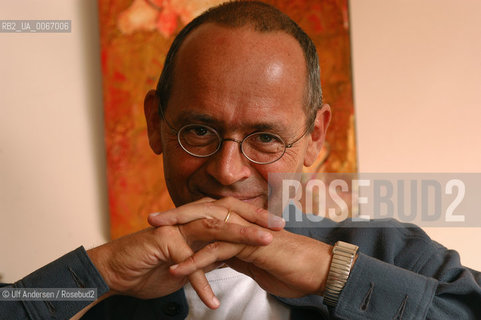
[135, 37]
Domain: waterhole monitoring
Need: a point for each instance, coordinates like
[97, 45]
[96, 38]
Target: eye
[196, 130]
[265, 137]
[198, 135]
[263, 147]
[264, 142]
[200, 130]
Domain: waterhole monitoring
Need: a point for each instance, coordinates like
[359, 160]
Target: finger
[204, 291]
[213, 252]
[181, 251]
[201, 209]
[203, 200]
[213, 266]
[207, 208]
[252, 213]
[208, 230]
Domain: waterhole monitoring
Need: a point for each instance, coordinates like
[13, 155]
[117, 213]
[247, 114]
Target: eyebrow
[194, 117]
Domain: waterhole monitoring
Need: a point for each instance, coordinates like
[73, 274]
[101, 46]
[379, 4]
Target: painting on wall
[135, 37]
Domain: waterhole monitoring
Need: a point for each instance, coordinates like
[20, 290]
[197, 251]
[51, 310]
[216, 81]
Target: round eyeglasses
[203, 141]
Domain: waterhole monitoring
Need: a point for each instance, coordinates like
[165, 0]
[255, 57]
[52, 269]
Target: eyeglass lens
[203, 141]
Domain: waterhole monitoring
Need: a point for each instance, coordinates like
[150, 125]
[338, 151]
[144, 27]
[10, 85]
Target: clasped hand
[190, 240]
[290, 265]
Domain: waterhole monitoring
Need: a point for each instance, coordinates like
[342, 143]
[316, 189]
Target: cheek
[292, 161]
[289, 163]
[179, 168]
[178, 165]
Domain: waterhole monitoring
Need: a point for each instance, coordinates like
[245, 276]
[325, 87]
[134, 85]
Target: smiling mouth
[237, 196]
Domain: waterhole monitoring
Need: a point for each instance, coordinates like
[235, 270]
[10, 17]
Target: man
[239, 97]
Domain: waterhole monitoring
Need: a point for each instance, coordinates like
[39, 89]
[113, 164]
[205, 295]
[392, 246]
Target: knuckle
[205, 286]
[209, 205]
[260, 214]
[191, 260]
[213, 246]
[261, 211]
[244, 231]
[211, 223]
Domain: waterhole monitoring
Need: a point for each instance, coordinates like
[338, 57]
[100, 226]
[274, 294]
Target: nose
[229, 165]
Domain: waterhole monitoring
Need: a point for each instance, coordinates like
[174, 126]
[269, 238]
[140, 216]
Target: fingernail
[264, 235]
[154, 214]
[276, 222]
[174, 266]
[215, 301]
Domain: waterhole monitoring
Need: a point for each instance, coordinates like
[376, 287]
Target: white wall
[417, 88]
[417, 78]
[52, 162]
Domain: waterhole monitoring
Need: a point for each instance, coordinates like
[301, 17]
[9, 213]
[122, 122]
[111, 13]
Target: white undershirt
[240, 298]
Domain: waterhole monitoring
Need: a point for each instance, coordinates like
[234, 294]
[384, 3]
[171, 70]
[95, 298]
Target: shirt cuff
[378, 290]
[73, 270]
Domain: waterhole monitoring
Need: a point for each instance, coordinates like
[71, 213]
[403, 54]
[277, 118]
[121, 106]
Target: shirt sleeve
[73, 270]
[400, 273]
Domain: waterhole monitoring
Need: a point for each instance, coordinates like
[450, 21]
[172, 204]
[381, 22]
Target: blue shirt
[400, 273]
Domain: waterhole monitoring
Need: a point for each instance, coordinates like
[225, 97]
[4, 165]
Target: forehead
[239, 74]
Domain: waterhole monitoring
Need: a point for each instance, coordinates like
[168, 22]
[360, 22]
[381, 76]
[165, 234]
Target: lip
[246, 198]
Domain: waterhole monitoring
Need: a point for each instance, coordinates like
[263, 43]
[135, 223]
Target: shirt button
[171, 308]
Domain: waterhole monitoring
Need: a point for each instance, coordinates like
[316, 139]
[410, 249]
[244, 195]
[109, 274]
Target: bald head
[238, 62]
[263, 19]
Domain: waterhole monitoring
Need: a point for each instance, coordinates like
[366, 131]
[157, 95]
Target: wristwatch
[343, 255]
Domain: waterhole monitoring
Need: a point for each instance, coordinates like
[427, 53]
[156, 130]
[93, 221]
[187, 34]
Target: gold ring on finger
[227, 216]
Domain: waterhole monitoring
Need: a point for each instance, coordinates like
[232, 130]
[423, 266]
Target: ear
[318, 135]
[153, 118]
